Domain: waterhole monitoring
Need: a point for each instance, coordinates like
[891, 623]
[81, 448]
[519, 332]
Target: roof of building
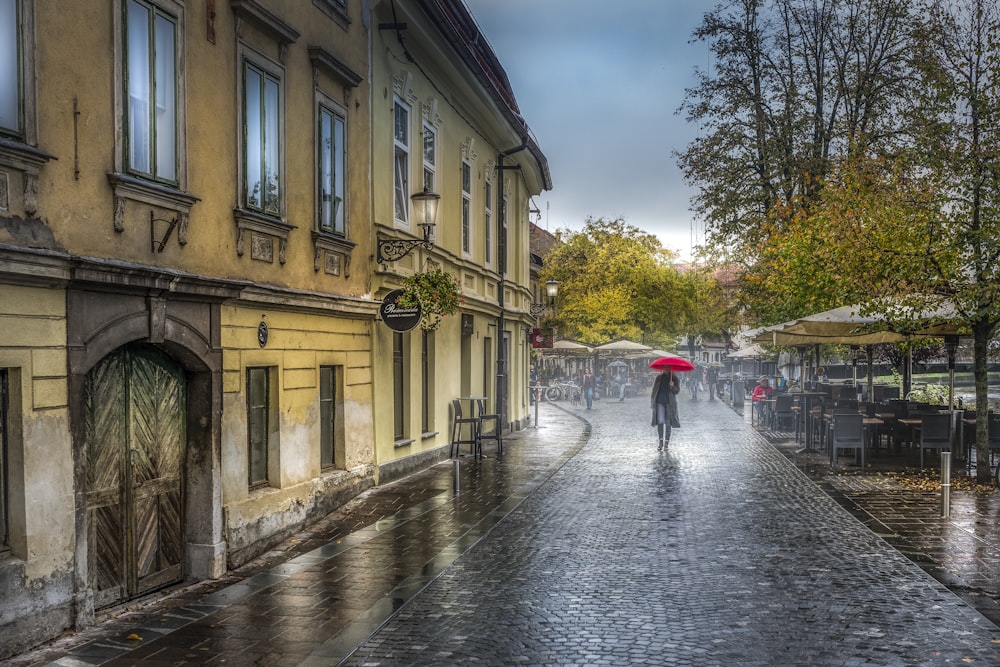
[459, 27]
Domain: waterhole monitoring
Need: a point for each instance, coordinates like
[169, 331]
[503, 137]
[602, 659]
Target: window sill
[336, 11]
[332, 254]
[28, 161]
[22, 156]
[403, 443]
[263, 231]
[128, 188]
[428, 435]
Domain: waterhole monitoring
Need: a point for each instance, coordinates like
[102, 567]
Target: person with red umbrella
[663, 399]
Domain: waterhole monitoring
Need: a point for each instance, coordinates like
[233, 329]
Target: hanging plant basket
[436, 292]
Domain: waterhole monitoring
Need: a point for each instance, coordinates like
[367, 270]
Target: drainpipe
[501, 379]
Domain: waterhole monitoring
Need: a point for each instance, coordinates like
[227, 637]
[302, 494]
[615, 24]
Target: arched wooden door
[135, 412]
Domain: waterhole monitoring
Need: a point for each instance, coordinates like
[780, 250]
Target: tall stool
[458, 424]
[497, 431]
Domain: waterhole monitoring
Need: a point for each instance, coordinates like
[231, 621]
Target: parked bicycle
[562, 390]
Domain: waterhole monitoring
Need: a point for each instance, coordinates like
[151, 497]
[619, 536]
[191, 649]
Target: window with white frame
[151, 84]
[332, 171]
[430, 156]
[502, 235]
[11, 92]
[401, 162]
[262, 101]
[466, 208]
[488, 223]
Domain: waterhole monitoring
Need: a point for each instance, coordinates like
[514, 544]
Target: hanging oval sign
[395, 316]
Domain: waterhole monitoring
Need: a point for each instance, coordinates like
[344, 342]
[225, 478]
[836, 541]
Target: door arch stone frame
[185, 324]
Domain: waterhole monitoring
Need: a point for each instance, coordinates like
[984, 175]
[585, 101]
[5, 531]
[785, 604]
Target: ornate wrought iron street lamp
[551, 290]
[425, 207]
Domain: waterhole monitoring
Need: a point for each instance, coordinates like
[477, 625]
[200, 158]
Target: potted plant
[436, 292]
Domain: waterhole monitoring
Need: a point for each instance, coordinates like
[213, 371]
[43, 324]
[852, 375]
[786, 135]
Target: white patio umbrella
[623, 346]
[750, 351]
[846, 326]
[570, 346]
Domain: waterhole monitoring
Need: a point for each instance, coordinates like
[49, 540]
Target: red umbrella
[671, 364]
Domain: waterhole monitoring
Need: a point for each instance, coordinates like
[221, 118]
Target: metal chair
[458, 424]
[496, 433]
[783, 410]
[848, 432]
[994, 435]
[935, 433]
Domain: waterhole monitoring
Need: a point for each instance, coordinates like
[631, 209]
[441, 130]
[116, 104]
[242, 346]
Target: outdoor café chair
[848, 432]
[460, 425]
[994, 435]
[495, 433]
[783, 410]
[935, 433]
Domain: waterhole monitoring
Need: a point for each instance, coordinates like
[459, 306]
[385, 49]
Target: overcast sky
[599, 84]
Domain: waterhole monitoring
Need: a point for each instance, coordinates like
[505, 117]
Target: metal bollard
[538, 399]
[945, 485]
[458, 477]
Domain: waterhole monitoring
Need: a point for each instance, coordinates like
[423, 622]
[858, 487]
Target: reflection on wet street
[584, 545]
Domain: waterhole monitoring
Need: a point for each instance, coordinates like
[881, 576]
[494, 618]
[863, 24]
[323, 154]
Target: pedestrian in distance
[713, 382]
[663, 402]
[694, 383]
[819, 378]
[589, 383]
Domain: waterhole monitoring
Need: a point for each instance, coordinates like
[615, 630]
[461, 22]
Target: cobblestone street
[583, 545]
[717, 552]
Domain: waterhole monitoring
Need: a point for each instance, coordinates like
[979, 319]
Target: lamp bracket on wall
[390, 250]
[538, 308]
[158, 246]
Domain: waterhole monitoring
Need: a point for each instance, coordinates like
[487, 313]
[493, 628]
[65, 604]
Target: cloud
[600, 86]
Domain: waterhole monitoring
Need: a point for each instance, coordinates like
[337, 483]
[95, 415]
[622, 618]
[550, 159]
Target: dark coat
[675, 386]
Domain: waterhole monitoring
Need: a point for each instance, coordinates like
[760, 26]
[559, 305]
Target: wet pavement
[583, 545]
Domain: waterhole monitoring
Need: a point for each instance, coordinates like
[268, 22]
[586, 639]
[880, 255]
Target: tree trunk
[980, 338]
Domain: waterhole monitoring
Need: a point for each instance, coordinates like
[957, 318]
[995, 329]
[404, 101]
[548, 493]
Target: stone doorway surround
[110, 306]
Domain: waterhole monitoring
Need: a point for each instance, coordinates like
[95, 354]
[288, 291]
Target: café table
[871, 425]
[912, 424]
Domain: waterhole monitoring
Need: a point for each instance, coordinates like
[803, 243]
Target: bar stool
[458, 424]
[495, 434]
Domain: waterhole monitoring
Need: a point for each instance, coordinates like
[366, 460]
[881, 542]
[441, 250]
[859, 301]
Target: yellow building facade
[191, 197]
[444, 118]
[186, 291]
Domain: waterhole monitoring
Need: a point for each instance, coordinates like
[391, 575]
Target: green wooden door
[135, 453]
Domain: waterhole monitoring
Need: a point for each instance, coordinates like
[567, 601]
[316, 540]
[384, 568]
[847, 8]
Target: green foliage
[857, 168]
[616, 281]
[935, 394]
[436, 292]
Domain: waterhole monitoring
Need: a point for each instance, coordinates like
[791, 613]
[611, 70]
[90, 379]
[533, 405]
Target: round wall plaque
[396, 317]
[262, 333]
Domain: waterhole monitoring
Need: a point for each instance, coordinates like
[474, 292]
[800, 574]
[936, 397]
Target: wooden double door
[135, 429]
